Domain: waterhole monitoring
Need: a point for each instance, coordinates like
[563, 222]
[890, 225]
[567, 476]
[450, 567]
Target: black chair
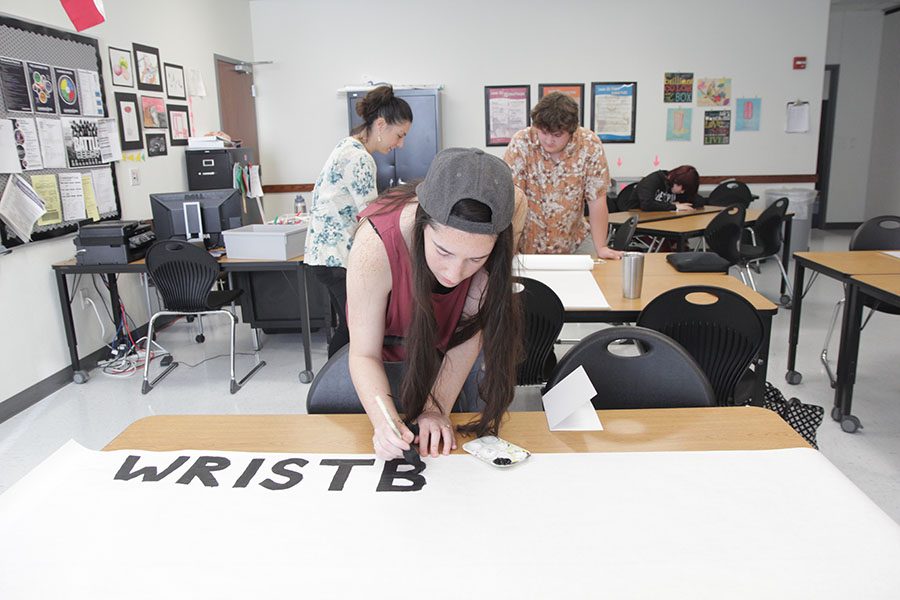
[184, 275]
[731, 192]
[624, 234]
[332, 391]
[767, 240]
[723, 234]
[724, 336]
[878, 233]
[544, 314]
[664, 375]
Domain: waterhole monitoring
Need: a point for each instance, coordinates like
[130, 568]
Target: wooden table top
[693, 223]
[223, 260]
[655, 264]
[654, 285]
[646, 216]
[673, 429]
[885, 283]
[855, 262]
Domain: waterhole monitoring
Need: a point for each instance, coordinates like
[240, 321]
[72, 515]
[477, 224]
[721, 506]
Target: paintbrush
[411, 456]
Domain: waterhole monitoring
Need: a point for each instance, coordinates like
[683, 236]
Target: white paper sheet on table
[554, 262]
[576, 289]
[613, 524]
[894, 253]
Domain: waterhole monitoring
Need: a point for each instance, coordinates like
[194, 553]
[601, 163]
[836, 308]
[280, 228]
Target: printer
[112, 242]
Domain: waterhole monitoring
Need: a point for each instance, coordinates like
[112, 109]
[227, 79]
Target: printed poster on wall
[716, 127]
[613, 110]
[27, 145]
[67, 91]
[714, 91]
[678, 124]
[82, 146]
[747, 114]
[41, 82]
[506, 112]
[16, 97]
[678, 87]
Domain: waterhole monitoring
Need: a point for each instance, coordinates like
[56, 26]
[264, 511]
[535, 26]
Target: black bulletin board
[31, 42]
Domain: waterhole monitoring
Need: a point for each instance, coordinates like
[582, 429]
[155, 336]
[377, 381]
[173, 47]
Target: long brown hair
[498, 319]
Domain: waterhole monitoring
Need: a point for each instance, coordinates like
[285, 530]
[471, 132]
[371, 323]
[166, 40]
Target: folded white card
[568, 405]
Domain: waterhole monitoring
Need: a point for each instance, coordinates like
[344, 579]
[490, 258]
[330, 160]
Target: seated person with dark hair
[669, 190]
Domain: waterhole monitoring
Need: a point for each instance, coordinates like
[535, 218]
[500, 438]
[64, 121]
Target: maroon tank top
[448, 307]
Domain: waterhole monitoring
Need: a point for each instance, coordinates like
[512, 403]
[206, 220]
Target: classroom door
[237, 104]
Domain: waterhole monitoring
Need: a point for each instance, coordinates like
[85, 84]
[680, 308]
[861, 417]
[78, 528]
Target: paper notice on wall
[27, 146]
[9, 154]
[104, 192]
[108, 139]
[89, 88]
[47, 188]
[90, 202]
[71, 192]
[20, 207]
[256, 190]
[797, 117]
[195, 83]
[53, 149]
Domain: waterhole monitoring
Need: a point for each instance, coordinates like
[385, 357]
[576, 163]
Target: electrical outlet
[135, 175]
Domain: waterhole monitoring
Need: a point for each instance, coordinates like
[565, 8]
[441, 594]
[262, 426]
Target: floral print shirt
[344, 187]
[557, 191]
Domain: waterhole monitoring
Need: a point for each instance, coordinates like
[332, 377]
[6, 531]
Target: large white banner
[202, 524]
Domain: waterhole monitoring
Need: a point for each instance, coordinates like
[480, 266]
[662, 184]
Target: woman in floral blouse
[344, 187]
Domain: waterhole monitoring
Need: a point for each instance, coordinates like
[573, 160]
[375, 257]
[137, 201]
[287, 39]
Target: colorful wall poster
[716, 127]
[153, 110]
[747, 114]
[678, 124]
[714, 91]
[27, 145]
[678, 87]
[41, 81]
[67, 91]
[16, 97]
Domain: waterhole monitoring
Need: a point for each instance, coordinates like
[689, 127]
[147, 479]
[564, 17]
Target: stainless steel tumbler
[632, 274]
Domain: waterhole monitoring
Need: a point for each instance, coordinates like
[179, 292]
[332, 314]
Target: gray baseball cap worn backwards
[460, 173]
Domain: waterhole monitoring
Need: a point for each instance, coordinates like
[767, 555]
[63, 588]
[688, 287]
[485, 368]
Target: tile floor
[94, 413]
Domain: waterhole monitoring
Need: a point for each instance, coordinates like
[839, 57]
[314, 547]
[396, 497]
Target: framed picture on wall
[614, 111]
[174, 81]
[121, 67]
[149, 77]
[573, 90]
[179, 124]
[156, 144]
[507, 109]
[128, 111]
[153, 112]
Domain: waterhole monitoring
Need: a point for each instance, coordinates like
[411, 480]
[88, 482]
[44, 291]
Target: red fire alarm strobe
[799, 62]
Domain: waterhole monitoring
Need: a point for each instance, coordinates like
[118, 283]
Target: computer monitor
[202, 214]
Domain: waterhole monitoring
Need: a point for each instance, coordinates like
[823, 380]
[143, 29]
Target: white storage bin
[267, 242]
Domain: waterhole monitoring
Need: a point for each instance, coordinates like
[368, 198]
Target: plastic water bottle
[299, 204]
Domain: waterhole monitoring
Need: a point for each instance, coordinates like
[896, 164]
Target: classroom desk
[646, 430]
[660, 277]
[647, 216]
[884, 288]
[70, 267]
[681, 230]
[853, 269]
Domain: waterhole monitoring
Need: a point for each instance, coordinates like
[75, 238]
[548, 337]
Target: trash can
[801, 202]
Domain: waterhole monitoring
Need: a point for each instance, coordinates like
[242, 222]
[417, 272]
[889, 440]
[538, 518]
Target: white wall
[854, 43]
[186, 33]
[319, 46]
[884, 174]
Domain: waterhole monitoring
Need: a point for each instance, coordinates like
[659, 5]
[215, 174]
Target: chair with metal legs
[767, 240]
[184, 276]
